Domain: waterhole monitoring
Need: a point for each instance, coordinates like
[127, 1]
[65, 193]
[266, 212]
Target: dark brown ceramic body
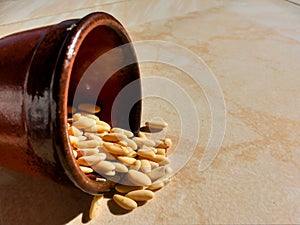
[39, 73]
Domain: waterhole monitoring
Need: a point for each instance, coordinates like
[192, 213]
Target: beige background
[253, 48]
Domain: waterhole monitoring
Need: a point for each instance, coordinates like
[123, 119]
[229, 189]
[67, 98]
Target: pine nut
[136, 165]
[140, 195]
[128, 133]
[138, 178]
[128, 161]
[114, 137]
[115, 149]
[91, 160]
[124, 202]
[121, 168]
[84, 122]
[156, 124]
[75, 131]
[87, 151]
[86, 144]
[95, 206]
[145, 166]
[146, 153]
[86, 169]
[126, 188]
[104, 167]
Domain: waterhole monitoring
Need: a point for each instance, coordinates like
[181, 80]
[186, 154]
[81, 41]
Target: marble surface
[253, 49]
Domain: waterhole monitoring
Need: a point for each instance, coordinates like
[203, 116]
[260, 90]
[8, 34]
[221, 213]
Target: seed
[75, 131]
[121, 168]
[126, 188]
[104, 124]
[145, 166]
[140, 195]
[108, 155]
[75, 154]
[124, 202]
[156, 185]
[156, 124]
[161, 151]
[153, 164]
[131, 144]
[87, 144]
[91, 159]
[140, 142]
[138, 178]
[146, 153]
[92, 116]
[86, 169]
[73, 140]
[136, 165]
[90, 108]
[110, 173]
[158, 173]
[168, 142]
[97, 128]
[132, 154]
[100, 179]
[128, 133]
[115, 149]
[87, 151]
[95, 206]
[76, 116]
[158, 158]
[164, 162]
[126, 160]
[142, 135]
[84, 122]
[95, 137]
[104, 167]
[114, 137]
[123, 143]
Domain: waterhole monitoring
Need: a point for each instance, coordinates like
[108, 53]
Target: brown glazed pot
[39, 73]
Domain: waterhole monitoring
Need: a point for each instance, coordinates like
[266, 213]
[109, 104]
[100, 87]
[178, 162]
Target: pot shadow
[30, 200]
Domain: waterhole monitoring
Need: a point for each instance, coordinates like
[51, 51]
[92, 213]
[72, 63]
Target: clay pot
[40, 73]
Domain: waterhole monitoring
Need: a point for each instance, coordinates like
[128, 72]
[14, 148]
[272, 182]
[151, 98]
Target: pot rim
[78, 32]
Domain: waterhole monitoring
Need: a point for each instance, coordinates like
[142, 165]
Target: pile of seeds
[138, 164]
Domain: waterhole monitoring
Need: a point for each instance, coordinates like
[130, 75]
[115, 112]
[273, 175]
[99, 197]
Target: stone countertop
[253, 50]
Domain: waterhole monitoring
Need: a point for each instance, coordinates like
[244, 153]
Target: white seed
[90, 108]
[95, 137]
[140, 195]
[164, 162]
[136, 165]
[156, 124]
[145, 166]
[124, 202]
[91, 160]
[110, 173]
[114, 137]
[86, 169]
[158, 158]
[76, 117]
[87, 151]
[75, 131]
[109, 156]
[84, 122]
[121, 168]
[103, 124]
[132, 154]
[123, 143]
[75, 154]
[100, 179]
[156, 185]
[115, 148]
[153, 165]
[104, 167]
[138, 178]
[146, 153]
[97, 128]
[87, 144]
[128, 133]
[126, 188]
[128, 161]
[131, 144]
[142, 135]
[141, 142]
[73, 140]
[158, 173]
[161, 151]
[95, 206]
